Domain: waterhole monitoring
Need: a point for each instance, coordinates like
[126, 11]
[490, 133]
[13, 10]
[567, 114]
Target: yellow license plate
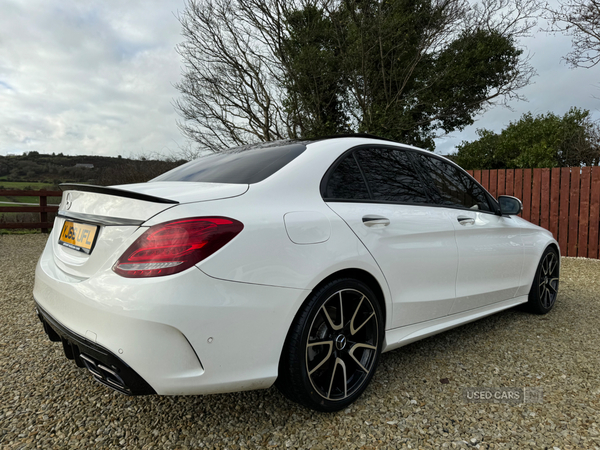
[78, 236]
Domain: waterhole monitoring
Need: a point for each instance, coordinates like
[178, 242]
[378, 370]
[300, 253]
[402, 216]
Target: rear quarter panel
[264, 252]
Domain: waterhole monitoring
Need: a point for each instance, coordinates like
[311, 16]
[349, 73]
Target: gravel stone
[47, 402]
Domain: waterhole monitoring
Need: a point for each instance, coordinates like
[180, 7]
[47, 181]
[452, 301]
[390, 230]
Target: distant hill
[103, 170]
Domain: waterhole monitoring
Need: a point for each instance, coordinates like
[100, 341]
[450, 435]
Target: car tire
[333, 346]
[544, 289]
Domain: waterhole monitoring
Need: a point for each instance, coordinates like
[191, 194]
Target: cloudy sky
[96, 77]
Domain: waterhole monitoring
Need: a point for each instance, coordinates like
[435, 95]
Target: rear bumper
[106, 367]
[183, 334]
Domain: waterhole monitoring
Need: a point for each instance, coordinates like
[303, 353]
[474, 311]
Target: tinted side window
[454, 188]
[346, 182]
[391, 176]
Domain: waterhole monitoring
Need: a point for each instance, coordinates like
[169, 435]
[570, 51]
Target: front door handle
[463, 220]
[375, 221]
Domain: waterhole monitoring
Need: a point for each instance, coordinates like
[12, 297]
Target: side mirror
[510, 206]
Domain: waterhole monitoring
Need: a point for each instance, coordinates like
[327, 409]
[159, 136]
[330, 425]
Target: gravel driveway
[46, 402]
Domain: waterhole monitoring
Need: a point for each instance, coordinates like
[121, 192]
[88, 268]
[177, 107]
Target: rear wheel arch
[361, 275]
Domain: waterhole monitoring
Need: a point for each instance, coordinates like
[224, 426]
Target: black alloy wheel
[544, 289]
[333, 346]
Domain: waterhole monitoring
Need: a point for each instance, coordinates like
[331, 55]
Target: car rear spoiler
[114, 191]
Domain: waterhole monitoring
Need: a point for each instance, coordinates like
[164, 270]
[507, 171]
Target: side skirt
[399, 337]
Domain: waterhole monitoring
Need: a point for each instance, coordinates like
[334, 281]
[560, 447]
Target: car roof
[348, 141]
[351, 135]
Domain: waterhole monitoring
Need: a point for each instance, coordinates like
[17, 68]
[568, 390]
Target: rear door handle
[375, 221]
[463, 220]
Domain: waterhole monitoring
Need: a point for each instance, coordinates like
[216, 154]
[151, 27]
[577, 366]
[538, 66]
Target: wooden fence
[21, 207]
[564, 200]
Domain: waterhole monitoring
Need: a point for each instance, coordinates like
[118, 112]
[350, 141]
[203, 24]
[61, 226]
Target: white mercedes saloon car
[295, 263]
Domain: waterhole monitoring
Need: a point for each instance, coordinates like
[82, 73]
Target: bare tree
[231, 95]
[579, 19]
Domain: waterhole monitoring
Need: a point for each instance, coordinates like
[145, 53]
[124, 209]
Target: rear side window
[244, 165]
[346, 182]
[391, 176]
[453, 187]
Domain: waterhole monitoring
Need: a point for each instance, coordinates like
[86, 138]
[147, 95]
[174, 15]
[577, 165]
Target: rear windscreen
[244, 165]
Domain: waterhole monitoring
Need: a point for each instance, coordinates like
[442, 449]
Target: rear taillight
[172, 247]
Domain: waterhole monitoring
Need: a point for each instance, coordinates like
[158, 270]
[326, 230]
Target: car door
[376, 192]
[490, 249]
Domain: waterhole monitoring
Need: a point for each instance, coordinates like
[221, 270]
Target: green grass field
[32, 200]
[24, 184]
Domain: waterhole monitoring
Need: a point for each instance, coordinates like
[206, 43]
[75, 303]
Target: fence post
[573, 222]
[584, 211]
[594, 214]
[43, 213]
[526, 194]
[563, 215]
[554, 201]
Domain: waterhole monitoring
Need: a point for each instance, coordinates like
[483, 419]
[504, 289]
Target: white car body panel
[417, 253]
[188, 191]
[307, 227]
[535, 241]
[220, 326]
[491, 246]
[282, 263]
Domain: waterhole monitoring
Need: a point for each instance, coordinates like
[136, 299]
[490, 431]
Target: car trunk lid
[95, 224]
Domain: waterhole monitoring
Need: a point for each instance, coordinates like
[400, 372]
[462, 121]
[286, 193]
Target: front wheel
[544, 289]
[333, 346]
